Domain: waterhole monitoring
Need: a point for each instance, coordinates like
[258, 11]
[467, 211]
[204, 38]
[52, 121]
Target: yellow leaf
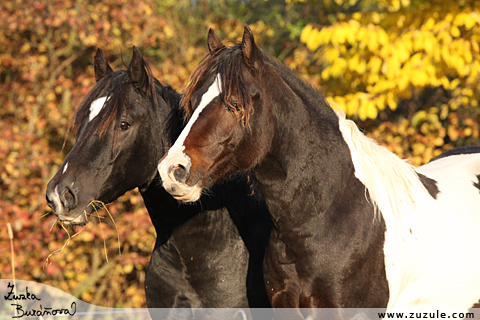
[429, 24]
[351, 106]
[128, 268]
[392, 103]
[314, 39]
[357, 16]
[353, 62]
[43, 59]
[362, 111]
[371, 109]
[444, 111]
[25, 48]
[374, 64]
[475, 46]
[419, 117]
[455, 32]
[438, 141]
[305, 33]
[373, 42]
[169, 31]
[382, 37]
[469, 21]
[468, 56]
[381, 102]
[339, 67]
[453, 133]
[51, 96]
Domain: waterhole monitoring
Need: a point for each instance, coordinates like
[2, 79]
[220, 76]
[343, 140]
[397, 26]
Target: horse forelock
[116, 87]
[228, 63]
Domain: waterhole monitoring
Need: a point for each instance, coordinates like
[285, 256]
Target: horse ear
[101, 66]
[137, 69]
[213, 41]
[250, 51]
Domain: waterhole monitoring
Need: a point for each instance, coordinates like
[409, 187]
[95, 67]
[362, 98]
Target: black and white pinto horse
[208, 255]
[354, 225]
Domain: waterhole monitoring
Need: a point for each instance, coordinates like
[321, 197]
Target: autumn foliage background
[407, 71]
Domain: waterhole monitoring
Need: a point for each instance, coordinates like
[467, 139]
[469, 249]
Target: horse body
[445, 233]
[430, 228]
[205, 255]
[352, 222]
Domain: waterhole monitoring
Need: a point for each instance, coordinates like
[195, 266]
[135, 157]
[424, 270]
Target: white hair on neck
[391, 182]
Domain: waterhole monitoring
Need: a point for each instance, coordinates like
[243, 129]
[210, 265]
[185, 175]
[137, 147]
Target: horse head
[119, 141]
[223, 134]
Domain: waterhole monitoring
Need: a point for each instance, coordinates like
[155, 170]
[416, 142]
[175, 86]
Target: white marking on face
[176, 156]
[96, 107]
[213, 91]
[65, 168]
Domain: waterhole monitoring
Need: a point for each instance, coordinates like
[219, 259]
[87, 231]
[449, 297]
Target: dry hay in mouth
[96, 204]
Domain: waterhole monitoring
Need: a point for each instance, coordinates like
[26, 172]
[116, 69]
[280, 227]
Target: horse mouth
[80, 220]
[191, 196]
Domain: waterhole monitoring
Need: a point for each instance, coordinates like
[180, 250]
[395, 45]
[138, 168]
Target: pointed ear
[137, 69]
[101, 66]
[250, 51]
[213, 41]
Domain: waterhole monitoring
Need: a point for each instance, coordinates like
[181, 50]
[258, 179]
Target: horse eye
[124, 125]
[229, 108]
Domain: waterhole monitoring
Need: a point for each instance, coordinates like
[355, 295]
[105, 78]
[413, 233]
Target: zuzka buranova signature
[40, 312]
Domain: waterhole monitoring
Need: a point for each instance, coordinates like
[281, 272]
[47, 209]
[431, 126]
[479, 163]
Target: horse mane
[391, 182]
[226, 61]
[116, 87]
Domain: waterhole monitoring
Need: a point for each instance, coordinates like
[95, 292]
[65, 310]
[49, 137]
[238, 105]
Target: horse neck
[309, 158]
[166, 122]
[168, 118]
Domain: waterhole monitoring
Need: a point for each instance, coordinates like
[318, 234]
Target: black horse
[207, 255]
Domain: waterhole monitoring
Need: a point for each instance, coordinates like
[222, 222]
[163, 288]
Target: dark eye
[124, 125]
[231, 107]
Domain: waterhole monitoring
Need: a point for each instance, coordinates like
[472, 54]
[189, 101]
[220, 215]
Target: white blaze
[213, 91]
[176, 155]
[96, 107]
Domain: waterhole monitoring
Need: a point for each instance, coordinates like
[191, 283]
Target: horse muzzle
[62, 199]
[175, 172]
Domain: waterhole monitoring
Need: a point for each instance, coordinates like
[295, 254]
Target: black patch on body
[430, 184]
[457, 152]
[477, 184]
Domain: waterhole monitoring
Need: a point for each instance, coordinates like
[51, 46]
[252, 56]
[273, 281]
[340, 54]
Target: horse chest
[328, 262]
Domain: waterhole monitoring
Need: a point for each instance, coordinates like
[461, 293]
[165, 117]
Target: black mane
[118, 86]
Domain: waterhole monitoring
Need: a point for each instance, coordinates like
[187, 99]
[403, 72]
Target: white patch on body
[431, 245]
[65, 168]
[96, 107]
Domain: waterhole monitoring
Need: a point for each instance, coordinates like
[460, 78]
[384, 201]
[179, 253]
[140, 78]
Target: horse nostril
[180, 173]
[49, 202]
[68, 198]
